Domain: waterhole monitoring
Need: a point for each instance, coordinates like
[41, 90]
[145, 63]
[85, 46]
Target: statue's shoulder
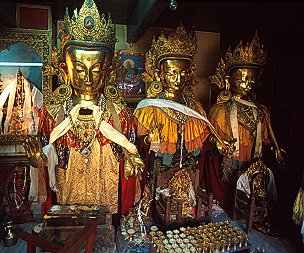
[54, 111]
[264, 110]
[118, 107]
[220, 108]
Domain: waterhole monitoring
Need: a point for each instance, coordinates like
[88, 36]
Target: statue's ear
[227, 82]
[63, 68]
[63, 73]
[156, 75]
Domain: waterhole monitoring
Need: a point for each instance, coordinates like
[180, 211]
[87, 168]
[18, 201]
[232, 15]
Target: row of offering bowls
[212, 237]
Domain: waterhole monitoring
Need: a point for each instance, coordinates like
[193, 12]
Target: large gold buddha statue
[87, 131]
[237, 114]
[171, 120]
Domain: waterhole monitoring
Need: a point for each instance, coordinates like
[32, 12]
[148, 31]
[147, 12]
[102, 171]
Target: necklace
[85, 129]
[17, 197]
[246, 117]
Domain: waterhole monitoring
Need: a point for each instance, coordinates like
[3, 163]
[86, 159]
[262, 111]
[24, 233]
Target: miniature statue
[18, 103]
[16, 193]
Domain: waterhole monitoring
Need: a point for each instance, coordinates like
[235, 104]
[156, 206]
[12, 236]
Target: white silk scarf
[235, 127]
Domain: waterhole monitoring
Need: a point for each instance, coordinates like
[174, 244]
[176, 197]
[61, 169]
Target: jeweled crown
[87, 26]
[253, 54]
[179, 44]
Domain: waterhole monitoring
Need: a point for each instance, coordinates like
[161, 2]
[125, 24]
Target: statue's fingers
[29, 147]
[25, 146]
[38, 142]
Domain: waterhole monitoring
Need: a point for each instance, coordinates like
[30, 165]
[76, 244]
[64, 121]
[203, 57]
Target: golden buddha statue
[87, 131]
[171, 120]
[172, 116]
[236, 113]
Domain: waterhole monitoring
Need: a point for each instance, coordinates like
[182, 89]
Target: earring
[63, 92]
[225, 95]
[112, 93]
[155, 88]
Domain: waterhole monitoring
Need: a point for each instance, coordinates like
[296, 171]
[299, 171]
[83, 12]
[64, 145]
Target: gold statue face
[87, 69]
[174, 73]
[242, 81]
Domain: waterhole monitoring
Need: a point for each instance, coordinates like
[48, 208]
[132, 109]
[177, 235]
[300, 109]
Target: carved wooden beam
[144, 15]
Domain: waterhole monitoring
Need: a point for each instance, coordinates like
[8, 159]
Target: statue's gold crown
[253, 55]
[179, 44]
[87, 26]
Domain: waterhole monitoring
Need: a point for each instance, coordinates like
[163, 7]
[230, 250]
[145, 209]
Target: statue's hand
[280, 155]
[225, 148]
[34, 153]
[154, 135]
[134, 166]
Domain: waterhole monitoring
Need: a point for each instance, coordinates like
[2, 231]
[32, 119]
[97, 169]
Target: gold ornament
[179, 185]
[258, 176]
[251, 55]
[224, 96]
[155, 88]
[63, 93]
[112, 93]
[178, 45]
[87, 26]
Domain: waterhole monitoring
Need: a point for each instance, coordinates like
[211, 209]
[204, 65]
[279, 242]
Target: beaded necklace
[85, 131]
[16, 196]
[246, 118]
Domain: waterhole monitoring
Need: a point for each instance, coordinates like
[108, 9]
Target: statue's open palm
[34, 153]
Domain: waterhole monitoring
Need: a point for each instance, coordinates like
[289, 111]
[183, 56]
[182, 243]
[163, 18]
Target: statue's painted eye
[79, 69]
[96, 69]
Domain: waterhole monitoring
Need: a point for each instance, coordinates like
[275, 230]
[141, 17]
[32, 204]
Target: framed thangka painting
[130, 77]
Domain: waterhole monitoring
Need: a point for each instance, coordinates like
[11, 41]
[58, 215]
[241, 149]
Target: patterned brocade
[91, 183]
[95, 182]
[195, 130]
[220, 118]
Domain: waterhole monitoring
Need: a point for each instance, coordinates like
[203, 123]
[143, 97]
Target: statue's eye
[79, 69]
[96, 69]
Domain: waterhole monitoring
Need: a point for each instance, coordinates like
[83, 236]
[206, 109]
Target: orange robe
[219, 116]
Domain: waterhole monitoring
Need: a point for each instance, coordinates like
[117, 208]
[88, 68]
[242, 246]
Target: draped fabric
[195, 130]
[211, 179]
[98, 180]
[31, 100]
[176, 120]
[219, 116]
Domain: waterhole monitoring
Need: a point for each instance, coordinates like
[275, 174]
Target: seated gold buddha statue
[171, 119]
[87, 131]
[237, 114]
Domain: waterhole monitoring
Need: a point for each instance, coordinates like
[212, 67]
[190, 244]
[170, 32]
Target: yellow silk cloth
[298, 207]
[91, 183]
[195, 130]
[219, 117]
